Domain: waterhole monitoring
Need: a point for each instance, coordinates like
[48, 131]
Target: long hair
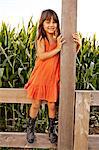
[46, 15]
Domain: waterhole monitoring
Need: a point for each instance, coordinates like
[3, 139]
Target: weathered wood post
[67, 84]
[82, 111]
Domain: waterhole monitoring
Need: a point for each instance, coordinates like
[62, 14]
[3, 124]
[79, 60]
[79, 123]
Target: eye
[54, 22]
[47, 21]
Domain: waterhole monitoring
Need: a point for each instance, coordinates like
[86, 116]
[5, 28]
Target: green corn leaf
[19, 73]
[1, 72]
[3, 51]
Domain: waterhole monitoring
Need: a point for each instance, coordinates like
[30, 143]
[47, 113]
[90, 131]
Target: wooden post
[82, 121]
[67, 83]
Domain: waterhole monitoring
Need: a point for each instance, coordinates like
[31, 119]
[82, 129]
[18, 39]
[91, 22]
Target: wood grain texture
[67, 77]
[13, 95]
[82, 111]
[15, 139]
[18, 140]
[93, 142]
[18, 95]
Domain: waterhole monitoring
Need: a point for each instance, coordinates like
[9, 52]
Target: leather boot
[52, 135]
[30, 129]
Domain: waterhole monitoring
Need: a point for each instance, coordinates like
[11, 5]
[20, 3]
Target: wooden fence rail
[82, 141]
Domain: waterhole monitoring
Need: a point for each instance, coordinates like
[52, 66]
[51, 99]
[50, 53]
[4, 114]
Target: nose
[51, 23]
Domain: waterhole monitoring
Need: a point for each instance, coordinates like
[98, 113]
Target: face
[50, 26]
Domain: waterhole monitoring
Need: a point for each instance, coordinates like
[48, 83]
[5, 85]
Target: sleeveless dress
[43, 83]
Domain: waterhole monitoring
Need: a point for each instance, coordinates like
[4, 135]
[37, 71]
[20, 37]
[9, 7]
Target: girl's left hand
[77, 40]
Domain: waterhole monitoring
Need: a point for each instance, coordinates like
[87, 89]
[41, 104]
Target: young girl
[43, 83]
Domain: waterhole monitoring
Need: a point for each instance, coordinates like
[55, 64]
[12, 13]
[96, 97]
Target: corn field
[87, 65]
[17, 59]
[17, 54]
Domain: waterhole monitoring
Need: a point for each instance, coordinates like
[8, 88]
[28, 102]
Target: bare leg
[34, 108]
[51, 109]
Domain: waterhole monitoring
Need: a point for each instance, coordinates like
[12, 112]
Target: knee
[35, 106]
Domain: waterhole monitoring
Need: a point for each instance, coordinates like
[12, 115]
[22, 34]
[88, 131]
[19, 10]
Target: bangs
[50, 15]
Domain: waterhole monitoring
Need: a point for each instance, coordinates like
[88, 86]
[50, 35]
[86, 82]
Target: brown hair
[46, 15]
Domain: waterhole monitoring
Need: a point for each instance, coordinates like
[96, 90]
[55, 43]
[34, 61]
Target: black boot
[30, 129]
[52, 135]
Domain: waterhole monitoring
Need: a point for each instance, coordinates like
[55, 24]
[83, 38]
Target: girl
[44, 80]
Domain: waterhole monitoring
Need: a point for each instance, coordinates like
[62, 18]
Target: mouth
[52, 29]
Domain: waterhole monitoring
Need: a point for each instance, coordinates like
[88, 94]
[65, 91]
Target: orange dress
[43, 83]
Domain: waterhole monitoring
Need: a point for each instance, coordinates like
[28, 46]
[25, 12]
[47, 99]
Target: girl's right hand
[60, 41]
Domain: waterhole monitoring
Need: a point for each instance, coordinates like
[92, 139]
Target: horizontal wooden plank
[13, 95]
[94, 96]
[95, 99]
[93, 142]
[19, 95]
[18, 140]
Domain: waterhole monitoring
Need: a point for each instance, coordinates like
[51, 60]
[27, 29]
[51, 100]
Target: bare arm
[41, 49]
